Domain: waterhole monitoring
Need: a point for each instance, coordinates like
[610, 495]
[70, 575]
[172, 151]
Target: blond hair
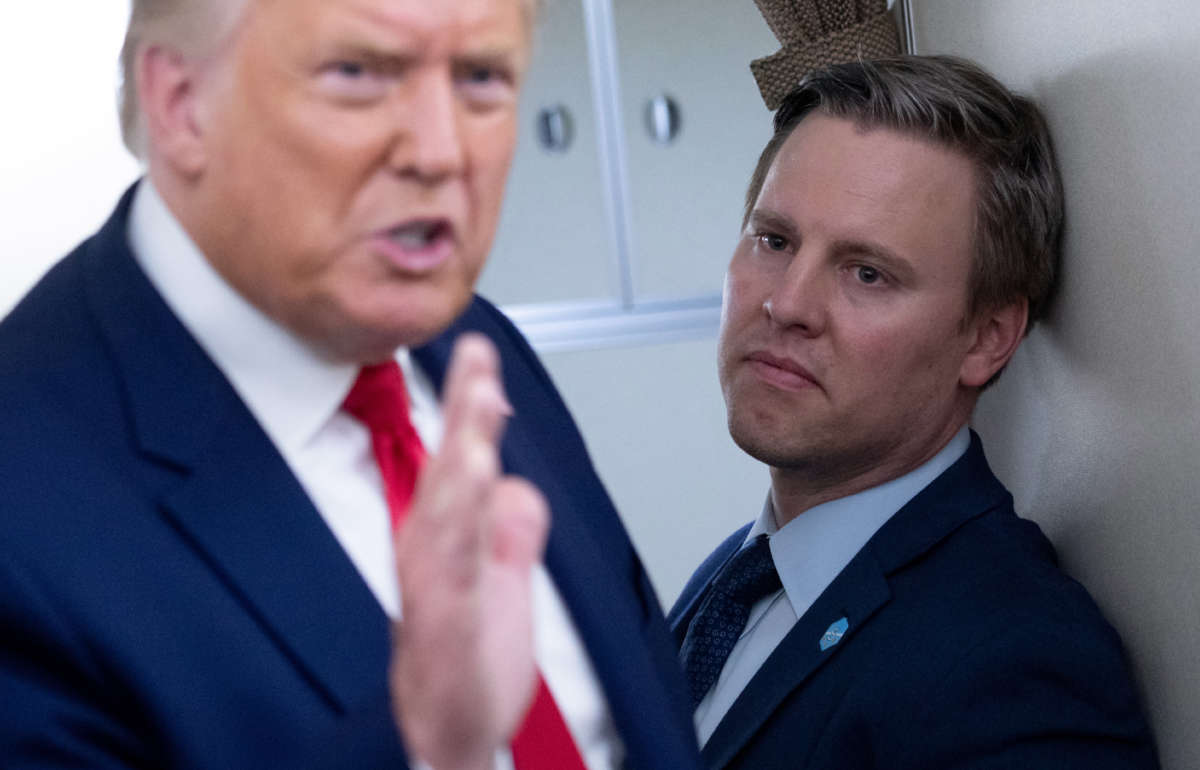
[191, 27]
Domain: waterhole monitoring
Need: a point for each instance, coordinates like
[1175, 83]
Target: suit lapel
[855, 595]
[964, 491]
[244, 510]
[228, 492]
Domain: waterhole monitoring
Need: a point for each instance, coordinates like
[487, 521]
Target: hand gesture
[462, 670]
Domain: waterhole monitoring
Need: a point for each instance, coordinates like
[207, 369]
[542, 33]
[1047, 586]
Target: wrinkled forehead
[231, 10]
[457, 23]
[207, 28]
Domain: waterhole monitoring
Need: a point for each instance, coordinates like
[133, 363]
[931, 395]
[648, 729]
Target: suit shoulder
[488, 319]
[721, 553]
[52, 356]
[986, 644]
[529, 385]
[705, 573]
[993, 597]
[994, 571]
[47, 322]
[64, 413]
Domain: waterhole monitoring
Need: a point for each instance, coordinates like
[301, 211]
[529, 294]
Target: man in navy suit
[888, 609]
[201, 453]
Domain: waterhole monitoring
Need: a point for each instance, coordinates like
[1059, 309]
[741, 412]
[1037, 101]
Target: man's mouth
[781, 372]
[418, 245]
[420, 234]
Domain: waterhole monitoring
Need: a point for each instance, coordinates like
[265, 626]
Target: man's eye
[478, 75]
[486, 85]
[773, 242]
[352, 81]
[350, 69]
[867, 274]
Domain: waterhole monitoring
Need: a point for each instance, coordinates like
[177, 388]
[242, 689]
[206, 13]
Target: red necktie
[543, 742]
[380, 402]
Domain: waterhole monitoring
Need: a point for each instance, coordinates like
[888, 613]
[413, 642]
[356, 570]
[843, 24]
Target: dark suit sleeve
[1034, 696]
[57, 709]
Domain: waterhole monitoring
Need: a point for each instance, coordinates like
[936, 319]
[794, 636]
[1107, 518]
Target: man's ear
[167, 86]
[997, 334]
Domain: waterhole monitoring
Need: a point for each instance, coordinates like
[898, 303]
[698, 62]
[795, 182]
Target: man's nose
[431, 148]
[800, 299]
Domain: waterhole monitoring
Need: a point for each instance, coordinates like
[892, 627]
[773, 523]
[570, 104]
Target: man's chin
[368, 333]
[765, 448]
[372, 342]
[368, 346]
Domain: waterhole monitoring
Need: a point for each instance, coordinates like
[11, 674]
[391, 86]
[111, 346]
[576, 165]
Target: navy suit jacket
[965, 647]
[169, 596]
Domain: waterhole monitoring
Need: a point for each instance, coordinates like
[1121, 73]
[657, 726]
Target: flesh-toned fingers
[443, 536]
[463, 656]
[456, 476]
[518, 521]
[456, 481]
[474, 397]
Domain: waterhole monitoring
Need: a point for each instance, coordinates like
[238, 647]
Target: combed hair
[952, 102]
[192, 27]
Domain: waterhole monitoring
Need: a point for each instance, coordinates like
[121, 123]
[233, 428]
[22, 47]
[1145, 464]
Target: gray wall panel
[1097, 424]
[654, 422]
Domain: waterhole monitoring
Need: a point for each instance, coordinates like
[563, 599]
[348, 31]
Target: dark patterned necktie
[748, 577]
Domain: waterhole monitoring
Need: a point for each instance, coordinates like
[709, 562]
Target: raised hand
[462, 662]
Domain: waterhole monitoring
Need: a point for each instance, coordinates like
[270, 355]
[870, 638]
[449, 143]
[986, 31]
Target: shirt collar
[810, 550]
[289, 388]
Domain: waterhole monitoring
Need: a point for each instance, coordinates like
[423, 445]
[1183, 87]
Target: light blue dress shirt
[809, 552]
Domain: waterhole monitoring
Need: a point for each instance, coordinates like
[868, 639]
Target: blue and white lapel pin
[834, 633]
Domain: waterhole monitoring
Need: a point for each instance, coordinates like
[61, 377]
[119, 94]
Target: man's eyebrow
[389, 56]
[773, 221]
[502, 56]
[374, 53]
[490, 52]
[490, 57]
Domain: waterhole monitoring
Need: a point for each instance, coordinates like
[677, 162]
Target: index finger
[474, 402]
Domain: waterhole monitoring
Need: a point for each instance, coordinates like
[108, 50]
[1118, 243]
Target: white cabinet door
[686, 196]
[555, 242]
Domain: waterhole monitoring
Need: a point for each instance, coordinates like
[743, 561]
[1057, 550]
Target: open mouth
[417, 246]
[419, 235]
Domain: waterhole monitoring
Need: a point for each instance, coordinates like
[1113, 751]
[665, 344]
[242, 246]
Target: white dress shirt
[809, 552]
[296, 396]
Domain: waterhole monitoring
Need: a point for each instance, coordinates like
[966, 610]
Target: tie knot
[379, 399]
[750, 574]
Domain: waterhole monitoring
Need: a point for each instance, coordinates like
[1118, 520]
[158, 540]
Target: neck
[800, 488]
